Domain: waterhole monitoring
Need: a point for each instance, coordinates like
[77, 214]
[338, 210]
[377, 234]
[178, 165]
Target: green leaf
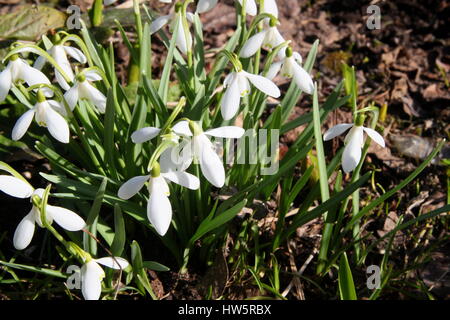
[212, 223]
[165, 77]
[45, 271]
[152, 265]
[90, 244]
[30, 22]
[346, 285]
[119, 230]
[138, 269]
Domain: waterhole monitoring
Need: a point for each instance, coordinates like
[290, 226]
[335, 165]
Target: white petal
[160, 22]
[39, 63]
[159, 209]
[336, 131]
[114, 263]
[183, 179]
[375, 136]
[190, 17]
[274, 69]
[61, 81]
[57, 125]
[183, 43]
[226, 132]
[229, 79]
[303, 79]
[91, 280]
[169, 159]
[270, 6]
[92, 75]
[61, 59]
[76, 54]
[108, 2]
[298, 57]
[94, 95]
[244, 85]
[230, 101]
[32, 76]
[57, 106]
[250, 8]
[351, 156]
[352, 150]
[22, 124]
[144, 134]
[15, 187]
[71, 96]
[182, 128]
[186, 156]
[357, 133]
[5, 82]
[210, 163]
[263, 84]
[24, 231]
[253, 44]
[205, 5]
[65, 218]
[273, 38]
[132, 186]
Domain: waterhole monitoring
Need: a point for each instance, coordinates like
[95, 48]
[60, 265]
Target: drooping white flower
[159, 209]
[354, 141]
[23, 235]
[250, 7]
[59, 52]
[92, 275]
[290, 68]
[47, 113]
[237, 85]
[268, 39]
[83, 89]
[183, 35]
[16, 70]
[205, 5]
[202, 150]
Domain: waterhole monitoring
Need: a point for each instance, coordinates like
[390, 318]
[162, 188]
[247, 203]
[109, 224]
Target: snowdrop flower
[83, 89]
[92, 275]
[183, 35]
[159, 209]
[23, 235]
[268, 39]
[205, 5]
[354, 141]
[47, 114]
[290, 68]
[202, 150]
[109, 2]
[59, 52]
[16, 70]
[237, 85]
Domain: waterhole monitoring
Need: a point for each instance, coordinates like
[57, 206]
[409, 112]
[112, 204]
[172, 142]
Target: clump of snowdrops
[161, 164]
